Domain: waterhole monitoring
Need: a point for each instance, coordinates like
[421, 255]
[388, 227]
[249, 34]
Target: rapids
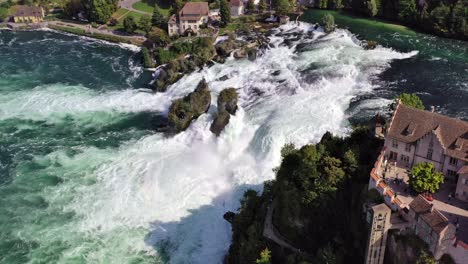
[85, 179]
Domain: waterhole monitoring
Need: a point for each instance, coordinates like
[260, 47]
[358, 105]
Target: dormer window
[395, 143]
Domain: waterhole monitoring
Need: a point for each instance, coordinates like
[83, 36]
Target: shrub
[412, 100]
[328, 22]
[147, 59]
[130, 24]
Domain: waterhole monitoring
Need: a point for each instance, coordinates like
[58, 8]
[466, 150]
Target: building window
[453, 161]
[408, 147]
[404, 158]
[395, 144]
[429, 154]
[451, 173]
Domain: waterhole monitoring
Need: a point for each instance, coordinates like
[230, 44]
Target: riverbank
[81, 30]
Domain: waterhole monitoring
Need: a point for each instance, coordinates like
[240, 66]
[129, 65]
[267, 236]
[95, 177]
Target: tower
[378, 216]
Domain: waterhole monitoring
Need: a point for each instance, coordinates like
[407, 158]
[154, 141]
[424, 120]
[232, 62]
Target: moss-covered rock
[227, 101]
[227, 106]
[184, 110]
[370, 45]
[221, 121]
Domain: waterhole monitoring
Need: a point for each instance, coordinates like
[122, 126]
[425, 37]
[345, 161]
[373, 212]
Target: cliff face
[406, 249]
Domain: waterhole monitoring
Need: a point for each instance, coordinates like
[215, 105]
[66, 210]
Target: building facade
[461, 191]
[378, 218]
[189, 20]
[430, 225]
[28, 14]
[415, 136]
[237, 7]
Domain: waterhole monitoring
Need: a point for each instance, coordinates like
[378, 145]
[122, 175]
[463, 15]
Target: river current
[84, 177]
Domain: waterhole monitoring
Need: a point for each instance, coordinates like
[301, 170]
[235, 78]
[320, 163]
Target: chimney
[432, 208]
[432, 108]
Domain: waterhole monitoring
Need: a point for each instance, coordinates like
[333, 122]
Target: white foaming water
[45, 102]
[177, 188]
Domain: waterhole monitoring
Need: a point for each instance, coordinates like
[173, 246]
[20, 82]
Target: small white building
[237, 7]
[189, 19]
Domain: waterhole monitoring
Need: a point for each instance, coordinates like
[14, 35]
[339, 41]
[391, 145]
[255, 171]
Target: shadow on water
[166, 239]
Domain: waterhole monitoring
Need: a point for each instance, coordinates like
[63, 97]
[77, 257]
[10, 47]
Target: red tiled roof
[433, 217]
[28, 11]
[194, 10]
[410, 124]
[463, 170]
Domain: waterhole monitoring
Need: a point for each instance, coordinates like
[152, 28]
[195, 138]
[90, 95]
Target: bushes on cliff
[247, 239]
[319, 190]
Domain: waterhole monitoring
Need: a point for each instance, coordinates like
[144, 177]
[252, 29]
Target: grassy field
[148, 6]
[121, 14]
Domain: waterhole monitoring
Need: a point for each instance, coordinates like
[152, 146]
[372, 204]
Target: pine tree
[282, 7]
[225, 12]
[262, 5]
[158, 18]
[251, 6]
[176, 6]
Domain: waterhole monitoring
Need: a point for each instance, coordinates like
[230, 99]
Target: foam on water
[166, 195]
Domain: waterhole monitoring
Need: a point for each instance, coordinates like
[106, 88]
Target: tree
[407, 11]
[328, 23]
[158, 18]
[326, 256]
[323, 4]
[100, 11]
[372, 8]
[336, 4]
[145, 23]
[130, 24]
[424, 178]
[282, 7]
[158, 36]
[225, 12]
[411, 100]
[251, 6]
[265, 257]
[425, 258]
[262, 5]
[176, 6]
[3, 14]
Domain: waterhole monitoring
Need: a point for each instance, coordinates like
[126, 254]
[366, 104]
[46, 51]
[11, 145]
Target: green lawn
[121, 14]
[148, 6]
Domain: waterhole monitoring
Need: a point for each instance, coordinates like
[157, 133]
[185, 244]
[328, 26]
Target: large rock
[227, 106]
[227, 101]
[184, 110]
[220, 122]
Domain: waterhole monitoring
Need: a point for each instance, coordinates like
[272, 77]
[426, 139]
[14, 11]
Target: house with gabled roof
[28, 14]
[431, 226]
[189, 19]
[415, 136]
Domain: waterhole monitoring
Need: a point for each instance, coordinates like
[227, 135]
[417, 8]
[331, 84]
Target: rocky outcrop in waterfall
[227, 106]
[184, 110]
